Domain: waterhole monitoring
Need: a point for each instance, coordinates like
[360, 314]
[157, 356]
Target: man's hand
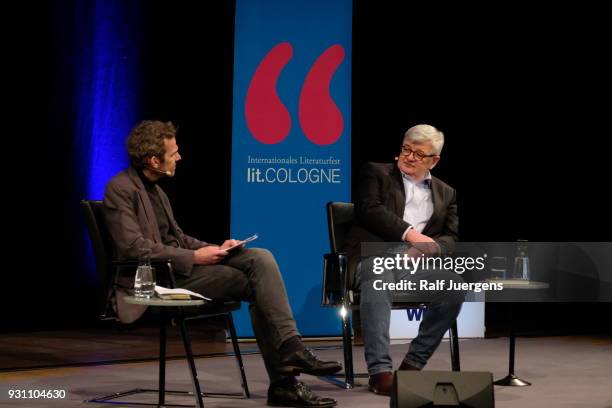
[413, 252]
[230, 243]
[209, 255]
[422, 242]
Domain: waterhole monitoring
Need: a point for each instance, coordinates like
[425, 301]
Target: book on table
[178, 294]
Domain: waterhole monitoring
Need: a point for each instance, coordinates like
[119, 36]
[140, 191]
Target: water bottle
[144, 281]
[521, 262]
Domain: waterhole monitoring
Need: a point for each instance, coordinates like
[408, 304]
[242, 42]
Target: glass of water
[497, 265]
[521, 262]
[144, 282]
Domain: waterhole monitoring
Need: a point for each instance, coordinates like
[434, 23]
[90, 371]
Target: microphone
[165, 173]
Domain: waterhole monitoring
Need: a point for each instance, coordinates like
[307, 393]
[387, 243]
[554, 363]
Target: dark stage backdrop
[521, 94]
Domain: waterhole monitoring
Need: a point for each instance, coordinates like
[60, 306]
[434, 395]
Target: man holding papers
[139, 215]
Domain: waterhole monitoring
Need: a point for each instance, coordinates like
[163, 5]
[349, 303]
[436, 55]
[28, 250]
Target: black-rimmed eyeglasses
[419, 155]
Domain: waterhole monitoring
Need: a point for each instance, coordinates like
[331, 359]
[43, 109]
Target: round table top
[520, 284]
[155, 301]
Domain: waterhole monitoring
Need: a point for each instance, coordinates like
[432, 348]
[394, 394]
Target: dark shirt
[167, 236]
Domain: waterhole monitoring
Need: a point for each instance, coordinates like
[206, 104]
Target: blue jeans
[443, 307]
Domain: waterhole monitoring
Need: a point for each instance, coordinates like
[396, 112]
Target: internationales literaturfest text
[293, 170]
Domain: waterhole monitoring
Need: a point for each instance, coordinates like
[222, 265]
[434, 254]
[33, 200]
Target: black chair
[338, 291]
[108, 271]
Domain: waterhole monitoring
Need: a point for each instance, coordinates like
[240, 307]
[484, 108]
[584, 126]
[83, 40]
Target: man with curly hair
[139, 215]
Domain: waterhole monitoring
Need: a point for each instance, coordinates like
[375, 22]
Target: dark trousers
[251, 275]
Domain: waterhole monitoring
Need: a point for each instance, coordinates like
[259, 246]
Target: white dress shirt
[419, 204]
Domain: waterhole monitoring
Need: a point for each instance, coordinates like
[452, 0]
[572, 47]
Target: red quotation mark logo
[320, 119]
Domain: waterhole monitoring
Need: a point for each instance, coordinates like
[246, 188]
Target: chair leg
[347, 346]
[192, 368]
[237, 354]
[454, 347]
[162, 361]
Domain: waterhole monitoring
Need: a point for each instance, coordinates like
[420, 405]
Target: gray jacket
[132, 225]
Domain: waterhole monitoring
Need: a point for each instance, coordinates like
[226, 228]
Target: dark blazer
[132, 225]
[379, 211]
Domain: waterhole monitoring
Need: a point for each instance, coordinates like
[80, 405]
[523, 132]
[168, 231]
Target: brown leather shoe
[381, 383]
[407, 367]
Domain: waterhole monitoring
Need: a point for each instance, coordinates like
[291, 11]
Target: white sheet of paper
[244, 241]
[160, 290]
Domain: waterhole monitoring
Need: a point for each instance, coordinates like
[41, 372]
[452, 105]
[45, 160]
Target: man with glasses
[396, 202]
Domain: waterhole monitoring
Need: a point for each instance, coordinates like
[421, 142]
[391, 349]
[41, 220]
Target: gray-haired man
[402, 201]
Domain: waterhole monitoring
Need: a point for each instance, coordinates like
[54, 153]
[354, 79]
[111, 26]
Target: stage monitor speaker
[414, 389]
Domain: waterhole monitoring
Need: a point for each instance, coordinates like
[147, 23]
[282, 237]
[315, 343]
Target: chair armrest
[160, 265]
[134, 262]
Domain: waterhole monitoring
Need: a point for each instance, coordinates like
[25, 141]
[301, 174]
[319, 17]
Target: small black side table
[511, 379]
